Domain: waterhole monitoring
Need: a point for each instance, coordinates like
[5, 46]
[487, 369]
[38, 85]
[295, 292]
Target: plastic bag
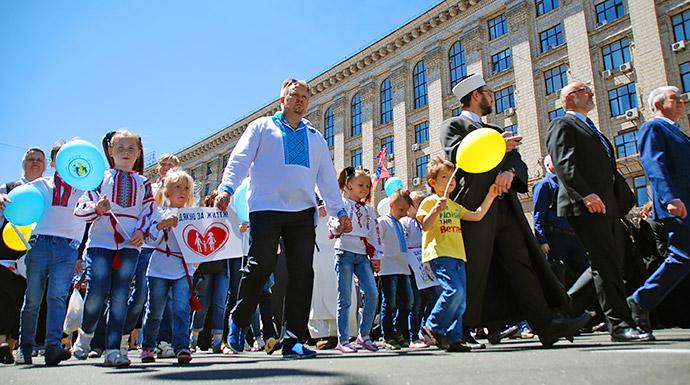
[75, 309]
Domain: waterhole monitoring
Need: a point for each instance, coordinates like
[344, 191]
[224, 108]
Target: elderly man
[593, 195]
[557, 238]
[12, 285]
[664, 150]
[286, 159]
[508, 279]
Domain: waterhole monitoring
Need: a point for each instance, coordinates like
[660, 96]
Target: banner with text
[208, 234]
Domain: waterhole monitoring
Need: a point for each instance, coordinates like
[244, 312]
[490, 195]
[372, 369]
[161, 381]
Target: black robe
[490, 301]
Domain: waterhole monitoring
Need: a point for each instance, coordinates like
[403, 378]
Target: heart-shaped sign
[214, 238]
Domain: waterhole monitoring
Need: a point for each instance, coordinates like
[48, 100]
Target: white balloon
[382, 208]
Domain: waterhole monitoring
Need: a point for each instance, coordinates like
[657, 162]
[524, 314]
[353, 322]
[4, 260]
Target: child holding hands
[444, 250]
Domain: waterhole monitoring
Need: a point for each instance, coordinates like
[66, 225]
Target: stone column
[339, 111]
[404, 158]
[647, 50]
[525, 92]
[433, 60]
[367, 95]
[473, 42]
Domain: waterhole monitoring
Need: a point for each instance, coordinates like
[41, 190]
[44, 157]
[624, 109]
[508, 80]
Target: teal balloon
[239, 201]
[80, 165]
[26, 206]
[392, 185]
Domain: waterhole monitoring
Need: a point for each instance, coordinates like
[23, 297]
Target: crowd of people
[586, 265]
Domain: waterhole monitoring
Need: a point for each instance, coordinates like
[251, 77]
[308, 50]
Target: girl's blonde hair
[417, 197]
[173, 177]
[349, 173]
[108, 142]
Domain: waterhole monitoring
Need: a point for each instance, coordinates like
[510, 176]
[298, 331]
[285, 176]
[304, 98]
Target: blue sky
[172, 71]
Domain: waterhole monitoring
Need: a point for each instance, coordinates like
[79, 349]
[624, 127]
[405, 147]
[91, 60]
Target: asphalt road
[592, 359]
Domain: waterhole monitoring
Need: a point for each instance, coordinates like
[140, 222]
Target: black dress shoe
[562, 328]
[496, 337]
[440, 340]
[639, 315]
[458, 347]
[473, 344]
[631, 335]
[55, 355]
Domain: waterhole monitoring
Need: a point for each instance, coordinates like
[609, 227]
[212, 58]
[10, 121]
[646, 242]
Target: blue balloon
[80, 164]
[26, 207]
[239, 200]
[392, 185]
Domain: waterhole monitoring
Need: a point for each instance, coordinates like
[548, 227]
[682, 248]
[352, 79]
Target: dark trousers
[512, 255]
[12, 289]
[600, 236]
[567, 248]
[672, 271]
[298, 233]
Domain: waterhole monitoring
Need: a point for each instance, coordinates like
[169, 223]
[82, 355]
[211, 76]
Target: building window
[356, 158]
[551, 38]
[609, 10]
[356, 116]
[225, 159]
[556, 78]
[681, 26]
[626, 144]
[556, 113]
[685, 76]
[386, 101]
[513, 129]
[391, 170]
[622, 99]
[458, 67]
[501, 61]
[421, 166]
[329, 127]
[641, 191]
[498, 26]
[421, 132]
[209, 170]
[387, 143]
[544, 6]
[419, 80]
[504, 99]
[456, 111]
[207, 189]
[616, 53]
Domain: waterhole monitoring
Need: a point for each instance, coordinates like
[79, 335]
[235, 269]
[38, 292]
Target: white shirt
[413, 232]
[60, 200]
[364, 225]
[283, 177]
[394, 260]
[471, 116]
[162, 265]
[131, 201]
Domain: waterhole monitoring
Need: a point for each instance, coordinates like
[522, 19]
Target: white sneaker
[165, 350]
[82, 345]
[114, 358]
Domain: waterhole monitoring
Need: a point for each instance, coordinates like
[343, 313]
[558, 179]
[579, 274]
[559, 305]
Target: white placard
[208, 234]
[423, 275]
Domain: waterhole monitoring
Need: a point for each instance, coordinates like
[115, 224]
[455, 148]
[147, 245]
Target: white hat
[468, 84]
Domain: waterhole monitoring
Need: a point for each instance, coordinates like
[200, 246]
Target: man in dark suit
[664, 150]
[593, 195]
[508, 278]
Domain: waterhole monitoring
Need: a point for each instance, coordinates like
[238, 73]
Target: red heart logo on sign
[214, 238]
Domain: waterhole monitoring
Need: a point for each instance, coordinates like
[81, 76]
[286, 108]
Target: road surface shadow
[251, 373]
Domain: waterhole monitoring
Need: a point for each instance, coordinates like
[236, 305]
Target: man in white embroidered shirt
[286, 159]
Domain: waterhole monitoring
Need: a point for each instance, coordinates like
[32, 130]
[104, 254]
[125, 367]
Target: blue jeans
[137, 299]
[213, 291]
[104, 283]
[396, 303]
[235, 268]
[49, 262]
[346, 264]
[159, 290]
[424, 301]
[446, 317]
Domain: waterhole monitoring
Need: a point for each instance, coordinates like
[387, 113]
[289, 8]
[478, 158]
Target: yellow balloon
[480, 151]
[11, 238]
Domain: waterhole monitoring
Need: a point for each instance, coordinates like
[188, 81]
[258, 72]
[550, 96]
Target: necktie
[401, 234]
[596, 132]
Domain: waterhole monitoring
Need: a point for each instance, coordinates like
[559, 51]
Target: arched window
[356, 116]
[386, 102]
[328, 124]
[456, 60]
[419, 81]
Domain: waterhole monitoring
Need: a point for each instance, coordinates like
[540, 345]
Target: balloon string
[21, 236]
[117, 220]
[452, 176]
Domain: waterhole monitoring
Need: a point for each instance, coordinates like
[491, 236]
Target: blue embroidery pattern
[295, 142]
